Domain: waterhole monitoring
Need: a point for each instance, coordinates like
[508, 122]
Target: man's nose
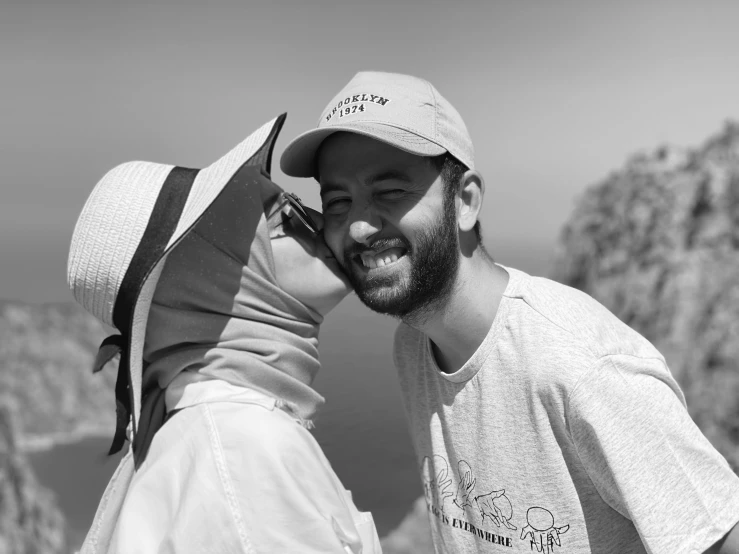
[365, 225]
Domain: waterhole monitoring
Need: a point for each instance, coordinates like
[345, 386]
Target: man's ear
[470, 193]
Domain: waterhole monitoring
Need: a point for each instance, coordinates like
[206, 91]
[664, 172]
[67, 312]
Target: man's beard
[433, 268]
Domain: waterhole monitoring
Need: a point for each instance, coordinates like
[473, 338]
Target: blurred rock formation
[413, 535]
[46, 355]
[657, 243]
[30, 521]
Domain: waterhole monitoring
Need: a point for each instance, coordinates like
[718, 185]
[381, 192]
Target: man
[540, 421]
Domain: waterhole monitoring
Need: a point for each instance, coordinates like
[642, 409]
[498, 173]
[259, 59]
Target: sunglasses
[290, 205]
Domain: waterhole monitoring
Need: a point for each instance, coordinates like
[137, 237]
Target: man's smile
[372, 259]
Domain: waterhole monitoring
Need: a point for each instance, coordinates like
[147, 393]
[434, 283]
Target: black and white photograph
[350, 277]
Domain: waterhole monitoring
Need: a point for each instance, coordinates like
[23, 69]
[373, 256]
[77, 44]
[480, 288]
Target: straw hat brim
[133, 219]
[208, 185]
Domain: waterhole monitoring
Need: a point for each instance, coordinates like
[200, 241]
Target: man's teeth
[373, 261]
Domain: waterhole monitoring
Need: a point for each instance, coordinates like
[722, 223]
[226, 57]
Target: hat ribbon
[165, 216]
[110, 347]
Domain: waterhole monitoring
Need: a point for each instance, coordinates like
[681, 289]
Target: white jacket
[229, 473]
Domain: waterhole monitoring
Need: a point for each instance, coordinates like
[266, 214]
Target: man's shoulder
[560, 304]
[558, 309]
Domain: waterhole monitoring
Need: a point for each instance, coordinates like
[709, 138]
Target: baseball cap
[403, 111]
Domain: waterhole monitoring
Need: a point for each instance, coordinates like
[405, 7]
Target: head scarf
[218, 310]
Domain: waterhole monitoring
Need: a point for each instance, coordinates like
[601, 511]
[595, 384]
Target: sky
[556, 95]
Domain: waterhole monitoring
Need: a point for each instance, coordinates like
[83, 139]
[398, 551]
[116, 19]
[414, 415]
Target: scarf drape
[218, 310]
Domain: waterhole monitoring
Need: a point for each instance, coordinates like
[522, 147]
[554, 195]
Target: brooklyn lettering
[341, 108]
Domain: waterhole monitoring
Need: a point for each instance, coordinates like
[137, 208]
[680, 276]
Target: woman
[219, 299]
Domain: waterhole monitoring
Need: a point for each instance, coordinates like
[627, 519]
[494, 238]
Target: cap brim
[298, 159]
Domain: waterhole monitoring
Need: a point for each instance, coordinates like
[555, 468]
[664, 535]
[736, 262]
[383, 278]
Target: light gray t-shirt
[565, 432]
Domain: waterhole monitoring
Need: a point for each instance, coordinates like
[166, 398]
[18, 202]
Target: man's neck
[459, 327]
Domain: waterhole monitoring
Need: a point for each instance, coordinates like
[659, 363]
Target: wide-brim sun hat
[400, 110]
[135, 215]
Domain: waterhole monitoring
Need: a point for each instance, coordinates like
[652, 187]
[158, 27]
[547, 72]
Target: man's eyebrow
[327, 188]
[389, 175]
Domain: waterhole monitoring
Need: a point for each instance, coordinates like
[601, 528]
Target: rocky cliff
[47, 394]
[46, 353]
[657, 243]
[413, 535]
[30, 521]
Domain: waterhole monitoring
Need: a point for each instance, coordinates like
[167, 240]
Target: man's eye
[336, 206]
[391, 194]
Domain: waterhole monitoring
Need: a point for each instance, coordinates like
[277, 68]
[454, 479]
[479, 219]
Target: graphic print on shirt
[495, 505]
[540, 530]
[466, 486]
[437, 483]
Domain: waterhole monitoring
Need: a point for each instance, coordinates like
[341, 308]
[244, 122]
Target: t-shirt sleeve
[648, 459]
